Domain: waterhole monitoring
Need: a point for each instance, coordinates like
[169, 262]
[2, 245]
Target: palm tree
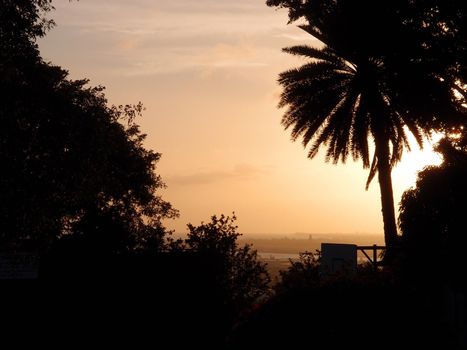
[342, 103]
[377, 78]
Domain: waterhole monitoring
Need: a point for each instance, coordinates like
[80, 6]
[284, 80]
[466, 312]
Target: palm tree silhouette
[383, 72]
[342, 102]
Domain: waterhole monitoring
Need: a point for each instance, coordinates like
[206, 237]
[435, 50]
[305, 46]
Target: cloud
[150, 37]
[301, 37]
[240, 172]
[224, 55]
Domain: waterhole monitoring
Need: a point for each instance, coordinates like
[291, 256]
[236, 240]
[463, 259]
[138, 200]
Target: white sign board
[19, 266]
[337, 257]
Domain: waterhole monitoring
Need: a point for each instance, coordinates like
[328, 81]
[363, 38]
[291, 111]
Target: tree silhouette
[71, 163]
[22, 21]
[432, 217]
[301, 274]
[369, 81]
[241, 276]
[440, 25]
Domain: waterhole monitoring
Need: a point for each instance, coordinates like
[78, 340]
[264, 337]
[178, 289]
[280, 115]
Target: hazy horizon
[299, 235]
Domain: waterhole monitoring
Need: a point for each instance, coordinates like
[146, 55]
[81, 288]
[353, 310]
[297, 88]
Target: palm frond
[341, 121]
[313, 31]
[313, 71]
[308, 115]
[415, 130]
[347, 120]
[360, 132]
[303, 91]
[399, 141]
[308, 112]
[327, 129]
[373, 169]
[324, 54]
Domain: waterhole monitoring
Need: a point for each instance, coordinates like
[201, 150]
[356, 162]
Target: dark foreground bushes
[162, 301]
[346, 314]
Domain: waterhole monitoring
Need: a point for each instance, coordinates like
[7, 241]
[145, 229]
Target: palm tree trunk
[387, 197]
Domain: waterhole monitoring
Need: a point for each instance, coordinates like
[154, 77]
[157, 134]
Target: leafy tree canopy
[242, 277]
[432, 214]
[21, 23]
[72, 164]
[301, 274]
[421, 44]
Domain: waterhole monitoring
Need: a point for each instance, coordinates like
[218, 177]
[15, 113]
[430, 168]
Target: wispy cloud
[240, 172]
[301, 37]
[150, 37]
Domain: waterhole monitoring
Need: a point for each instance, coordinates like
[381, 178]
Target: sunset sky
[206, 70]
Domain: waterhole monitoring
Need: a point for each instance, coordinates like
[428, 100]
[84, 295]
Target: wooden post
[375, 257]
[374, 248]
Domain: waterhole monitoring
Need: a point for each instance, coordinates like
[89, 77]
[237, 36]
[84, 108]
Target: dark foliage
[307, 273]
[301, 274]
[71, 163]
[240, 275]
[21, 22]
[432, 218]
[426, 35]
[361, 312]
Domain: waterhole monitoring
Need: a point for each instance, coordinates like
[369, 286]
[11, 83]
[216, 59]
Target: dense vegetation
[74, 166]
[432, 217]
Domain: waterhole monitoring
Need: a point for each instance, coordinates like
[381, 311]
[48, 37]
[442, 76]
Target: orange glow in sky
[206, 71]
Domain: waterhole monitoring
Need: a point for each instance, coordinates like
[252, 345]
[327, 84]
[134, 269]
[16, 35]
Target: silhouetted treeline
[72, 164]
[188, 295]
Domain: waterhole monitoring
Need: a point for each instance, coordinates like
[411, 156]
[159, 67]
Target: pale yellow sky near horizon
[206, 72]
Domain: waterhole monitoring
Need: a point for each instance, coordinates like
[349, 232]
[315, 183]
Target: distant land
[300, 242]
[277, 250]
[294, 243]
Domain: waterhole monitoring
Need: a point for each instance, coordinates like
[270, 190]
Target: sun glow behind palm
[404, 173]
